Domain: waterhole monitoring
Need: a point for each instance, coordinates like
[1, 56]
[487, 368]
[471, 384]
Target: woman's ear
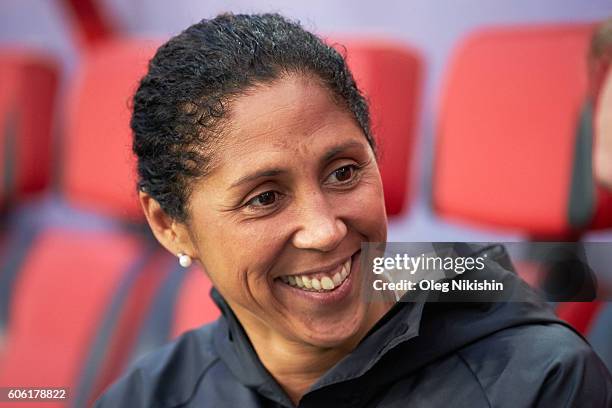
[172, 234]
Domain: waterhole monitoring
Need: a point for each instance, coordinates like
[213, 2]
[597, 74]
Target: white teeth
[337, 278]
[325, 283]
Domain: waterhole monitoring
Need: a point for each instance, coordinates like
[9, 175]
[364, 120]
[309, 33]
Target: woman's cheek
[256, 247]
[366, 202]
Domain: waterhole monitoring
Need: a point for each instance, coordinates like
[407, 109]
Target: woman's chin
[333, 331]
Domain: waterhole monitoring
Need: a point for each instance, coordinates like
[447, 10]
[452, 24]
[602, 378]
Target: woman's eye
[263, 199]
[344, 174]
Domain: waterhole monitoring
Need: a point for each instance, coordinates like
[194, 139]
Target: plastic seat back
[390, 76]
[27, 100]
[509, 153]
[28, 89]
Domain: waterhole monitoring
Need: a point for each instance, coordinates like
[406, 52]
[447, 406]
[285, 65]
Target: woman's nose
[319, 226]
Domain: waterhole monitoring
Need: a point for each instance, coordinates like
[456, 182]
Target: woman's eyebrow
[258, 174]
[331, 153]
[328, 155]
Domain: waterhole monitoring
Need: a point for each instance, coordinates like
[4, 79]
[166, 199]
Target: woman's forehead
[289, 101]
[295, 114]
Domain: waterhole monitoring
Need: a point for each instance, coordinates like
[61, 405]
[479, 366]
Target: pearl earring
[184, 260]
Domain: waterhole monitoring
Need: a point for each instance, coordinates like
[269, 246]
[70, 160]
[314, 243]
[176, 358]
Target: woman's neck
[297, 365]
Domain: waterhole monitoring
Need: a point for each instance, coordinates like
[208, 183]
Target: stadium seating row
[84, 288]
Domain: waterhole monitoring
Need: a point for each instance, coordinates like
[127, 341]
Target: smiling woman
[294, 192]
[256, 159]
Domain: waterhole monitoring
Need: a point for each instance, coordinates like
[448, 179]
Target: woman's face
[279, 221]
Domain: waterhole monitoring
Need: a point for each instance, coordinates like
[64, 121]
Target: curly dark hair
[182, 101]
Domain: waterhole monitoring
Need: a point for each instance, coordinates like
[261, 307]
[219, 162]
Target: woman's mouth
[321, 281]
[334, 286]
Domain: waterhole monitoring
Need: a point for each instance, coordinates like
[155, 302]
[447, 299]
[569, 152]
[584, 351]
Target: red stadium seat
[390, 76]
[76, 279]
[62, 292]
[27, 97]
[98, 129]
[508, 154]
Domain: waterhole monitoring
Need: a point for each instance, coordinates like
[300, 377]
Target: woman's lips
[323, 296]
[322, 281]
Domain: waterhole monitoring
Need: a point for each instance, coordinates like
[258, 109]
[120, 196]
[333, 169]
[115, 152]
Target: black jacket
[512, 354]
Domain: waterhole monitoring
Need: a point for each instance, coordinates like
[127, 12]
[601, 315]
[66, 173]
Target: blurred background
[483, 110]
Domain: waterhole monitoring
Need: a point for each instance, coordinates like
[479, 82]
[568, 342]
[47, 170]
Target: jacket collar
[399, 324]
